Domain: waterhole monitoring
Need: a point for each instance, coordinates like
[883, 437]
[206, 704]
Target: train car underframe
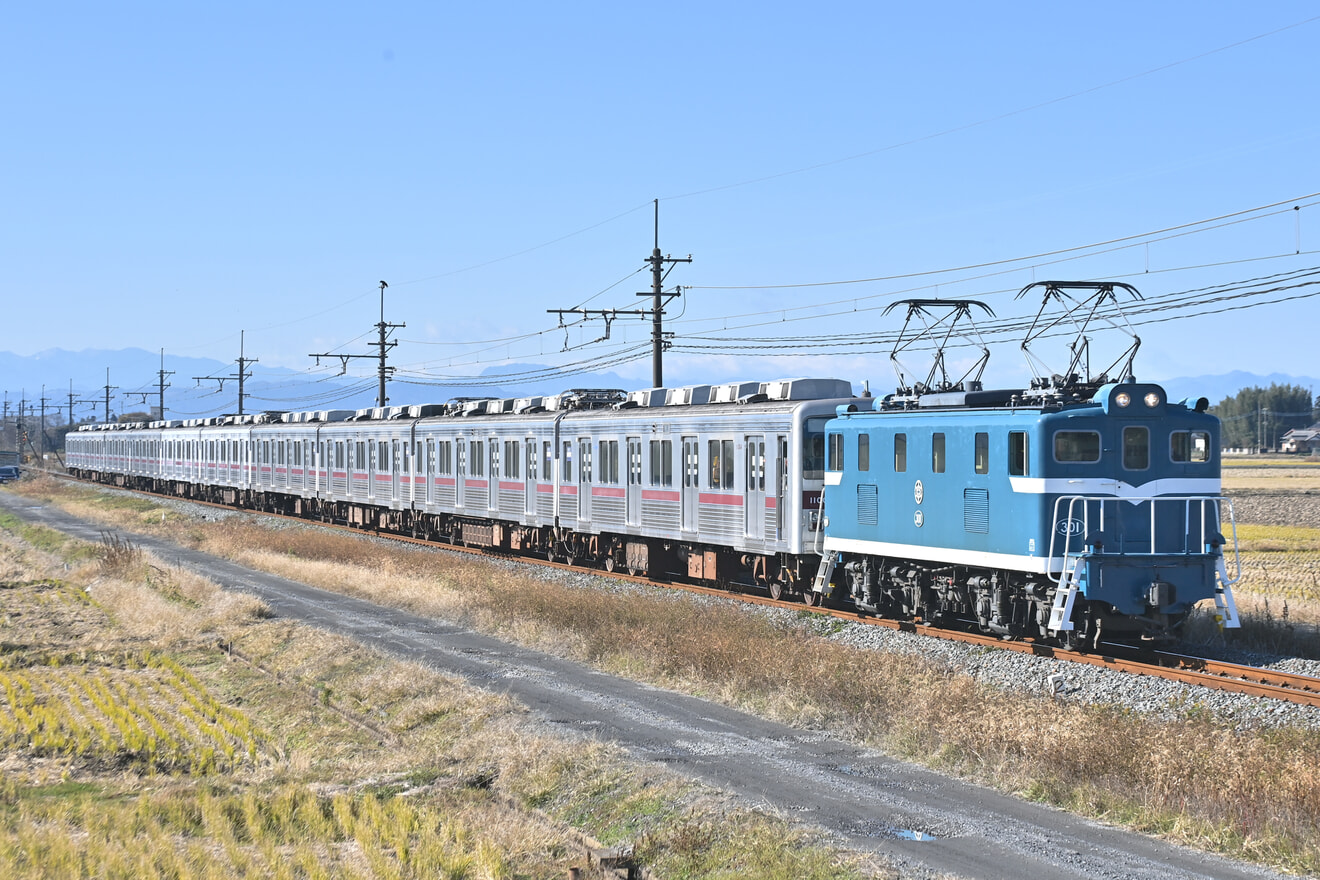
[1007, 603]
[781, 574]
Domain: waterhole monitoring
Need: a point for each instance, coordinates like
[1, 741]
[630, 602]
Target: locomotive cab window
[835, 444]
[1018, 463]
[1136, 447]
[1077, 446]
[1192, 446]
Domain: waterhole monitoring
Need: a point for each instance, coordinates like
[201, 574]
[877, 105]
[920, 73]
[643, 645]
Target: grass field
[1168, 777]
[1283, 475]
[152, 725]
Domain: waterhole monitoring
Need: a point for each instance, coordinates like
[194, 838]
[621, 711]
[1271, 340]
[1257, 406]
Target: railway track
[1200, 671]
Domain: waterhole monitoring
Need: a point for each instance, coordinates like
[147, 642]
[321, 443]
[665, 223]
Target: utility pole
[108, 389]
[41, 453]
[384, 344]
[658, 274]
[163, 386]
[659, 299]
[243, 373]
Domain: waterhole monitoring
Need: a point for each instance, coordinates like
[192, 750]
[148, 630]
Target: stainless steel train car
[719, 483]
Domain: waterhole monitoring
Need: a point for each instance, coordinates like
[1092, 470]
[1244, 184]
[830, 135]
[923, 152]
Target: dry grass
[1253, 793]
[351, 764]
[1283, 476]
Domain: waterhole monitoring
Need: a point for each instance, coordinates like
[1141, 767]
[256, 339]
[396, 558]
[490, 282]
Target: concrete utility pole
[242, 375]
[385, 344]
[163, 385]
[108, 389]
[657, 307]
[659, 299]
[41, 453]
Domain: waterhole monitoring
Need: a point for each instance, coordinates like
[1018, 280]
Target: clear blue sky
[174, 173]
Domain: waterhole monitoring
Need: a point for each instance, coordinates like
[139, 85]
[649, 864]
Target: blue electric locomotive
[1072, 518]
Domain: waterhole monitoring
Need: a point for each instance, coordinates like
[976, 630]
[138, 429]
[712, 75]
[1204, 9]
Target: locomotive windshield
[813, 450]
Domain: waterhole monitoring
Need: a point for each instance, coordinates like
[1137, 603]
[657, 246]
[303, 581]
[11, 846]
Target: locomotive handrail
[1187, 501]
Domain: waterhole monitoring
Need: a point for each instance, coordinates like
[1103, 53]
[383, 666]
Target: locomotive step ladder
[1069, 584]
[823, 574]
[1226, 613]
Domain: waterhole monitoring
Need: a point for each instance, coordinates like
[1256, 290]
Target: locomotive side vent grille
[976, 510]
[868, 505]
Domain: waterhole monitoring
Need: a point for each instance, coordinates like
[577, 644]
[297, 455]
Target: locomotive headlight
[1122, 398]
[1152, 400]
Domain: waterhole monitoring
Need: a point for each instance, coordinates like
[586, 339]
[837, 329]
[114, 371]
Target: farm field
[152, 725]
[1280, 475]
[1166, 781]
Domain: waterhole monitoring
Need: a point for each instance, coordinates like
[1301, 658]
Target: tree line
[1259, 417]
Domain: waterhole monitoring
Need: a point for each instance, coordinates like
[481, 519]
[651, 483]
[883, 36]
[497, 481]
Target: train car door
[754, 491]
[529, 478]
[394, 470]
[584, 479]
[493, 475]
[634, 481]
[781, 486]
[460, 472]
[691, 487]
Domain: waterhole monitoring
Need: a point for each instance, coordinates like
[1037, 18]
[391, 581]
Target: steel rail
[1213, 674]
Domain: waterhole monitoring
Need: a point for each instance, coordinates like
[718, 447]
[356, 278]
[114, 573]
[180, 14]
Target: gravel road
[924, 823]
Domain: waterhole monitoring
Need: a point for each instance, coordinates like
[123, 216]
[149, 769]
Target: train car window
[494, 458]
[567, 462]
[813, 450]
[546, 458]
[835, 459]
[721, 464]
[937, 453]
[477, 457]
[662, 462]
[981, 455]
[531, 459]
[863, 452]
[1018, 460]
[511, 458]
[361, 455]
[900, 453]
[1136, 447]
[1193, 446]
[1077, 446]
[609, 461]
[383, 457]
[584, 462]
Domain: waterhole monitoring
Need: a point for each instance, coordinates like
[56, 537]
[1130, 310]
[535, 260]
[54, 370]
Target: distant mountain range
[276, 388]
[1217, 388]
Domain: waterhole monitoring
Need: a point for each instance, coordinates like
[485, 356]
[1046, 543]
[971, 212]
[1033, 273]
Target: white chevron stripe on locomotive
[1116, 488]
